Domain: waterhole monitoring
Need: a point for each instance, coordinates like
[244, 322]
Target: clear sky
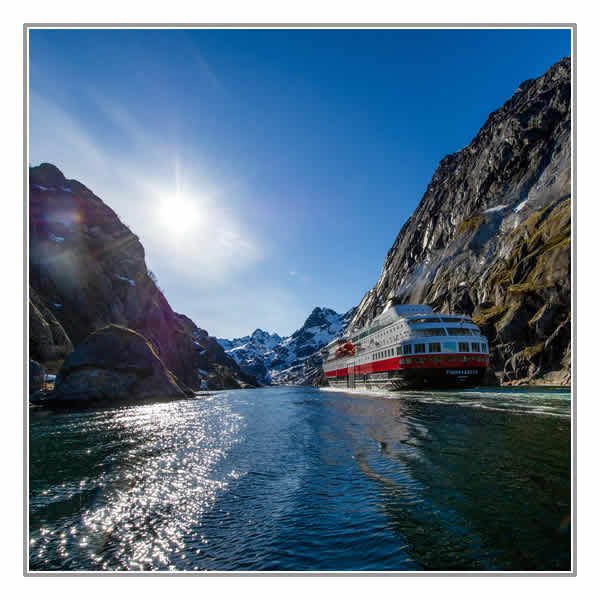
[267, 172]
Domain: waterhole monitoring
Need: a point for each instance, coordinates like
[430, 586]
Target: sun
[178, 215]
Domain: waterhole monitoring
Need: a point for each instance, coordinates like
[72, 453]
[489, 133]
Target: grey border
[573, 28]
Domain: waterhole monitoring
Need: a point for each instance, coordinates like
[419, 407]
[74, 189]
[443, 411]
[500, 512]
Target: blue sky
[268, 171]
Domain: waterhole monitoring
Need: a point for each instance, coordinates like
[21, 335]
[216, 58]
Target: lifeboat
[345, 348]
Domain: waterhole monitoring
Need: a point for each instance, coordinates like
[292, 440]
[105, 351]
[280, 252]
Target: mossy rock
[532, 351]
[528, 287]
[489, 315]
[470, 224]
[558, 241]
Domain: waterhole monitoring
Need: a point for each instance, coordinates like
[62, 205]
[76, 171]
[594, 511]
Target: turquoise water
[305, 479]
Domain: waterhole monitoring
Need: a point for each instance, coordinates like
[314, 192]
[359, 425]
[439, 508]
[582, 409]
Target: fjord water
[306, 479]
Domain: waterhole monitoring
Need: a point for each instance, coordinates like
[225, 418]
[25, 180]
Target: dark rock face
[36, 376]
[48, 340]
[88, 270]
[212, 363]
[114, 365]
[491, 236]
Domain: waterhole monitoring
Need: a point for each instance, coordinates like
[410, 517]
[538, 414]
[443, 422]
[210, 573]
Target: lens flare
[179, 215]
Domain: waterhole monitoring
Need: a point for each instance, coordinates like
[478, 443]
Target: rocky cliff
[276, 360]
[88, 270]
[491, 236]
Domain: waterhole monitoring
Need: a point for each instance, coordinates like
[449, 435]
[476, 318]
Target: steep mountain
[491, 236]
[87, 270]
[277, 360]
[253, 353]
[321, 326]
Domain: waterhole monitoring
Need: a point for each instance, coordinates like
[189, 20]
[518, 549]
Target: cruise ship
[408, 345]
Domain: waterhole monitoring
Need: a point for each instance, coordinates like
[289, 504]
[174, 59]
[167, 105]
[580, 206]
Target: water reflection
[302, 479]
[454, 482]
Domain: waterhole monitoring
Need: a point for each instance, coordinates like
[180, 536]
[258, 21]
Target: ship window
[399, 350]
[419, 348]
[407, 348]
[460, 331]
[463, 346]
[484, 347]
[426, 320]
[475, 346]
[435, 347]
[431, 332]
[449, 346]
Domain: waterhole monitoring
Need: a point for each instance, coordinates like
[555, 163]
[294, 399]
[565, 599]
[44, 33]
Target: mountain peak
[261, 333]
[319, 315]
[46, 174]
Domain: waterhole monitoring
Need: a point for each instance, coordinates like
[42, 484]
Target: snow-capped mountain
[253, 353]
[276, 360]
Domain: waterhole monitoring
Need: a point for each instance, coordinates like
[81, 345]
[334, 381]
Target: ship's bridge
[394, 310]
[439, 325]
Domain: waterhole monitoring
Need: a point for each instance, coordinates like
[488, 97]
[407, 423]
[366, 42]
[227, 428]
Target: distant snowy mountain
[253, 353]
[275, 360]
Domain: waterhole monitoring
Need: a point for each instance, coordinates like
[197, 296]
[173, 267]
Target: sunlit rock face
[87, 270]
[491, 236]
[276, 360]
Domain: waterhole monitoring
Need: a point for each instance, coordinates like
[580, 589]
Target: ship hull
[412, 379]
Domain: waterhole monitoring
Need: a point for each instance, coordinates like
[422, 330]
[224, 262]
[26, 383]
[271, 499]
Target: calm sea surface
[306, 479]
